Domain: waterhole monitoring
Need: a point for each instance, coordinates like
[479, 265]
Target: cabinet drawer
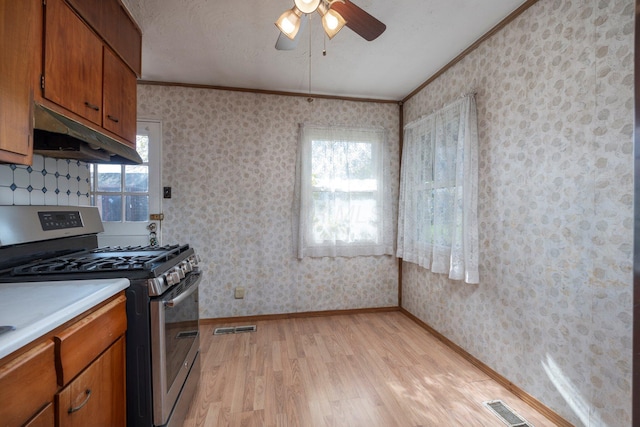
[78, 345]
[20, 400]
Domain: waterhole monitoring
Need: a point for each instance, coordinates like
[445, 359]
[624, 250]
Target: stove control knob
[186, 266]
[193, 260]
[175, 277]
[168, 279]
[180, 272]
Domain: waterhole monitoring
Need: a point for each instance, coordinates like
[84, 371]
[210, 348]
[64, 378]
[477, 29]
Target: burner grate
[119, 258]
[110, 249]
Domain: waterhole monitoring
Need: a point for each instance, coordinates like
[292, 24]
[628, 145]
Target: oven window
[181, 330]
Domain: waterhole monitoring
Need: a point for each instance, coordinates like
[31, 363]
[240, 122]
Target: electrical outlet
[239, 293]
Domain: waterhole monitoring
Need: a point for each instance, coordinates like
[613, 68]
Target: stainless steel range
[45, 243]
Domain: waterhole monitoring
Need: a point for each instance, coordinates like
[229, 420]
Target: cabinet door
[72, 62]
[20, 46]
[45, 418]
[119, 98]
[110, 19]
[27, 384]
[96, 397]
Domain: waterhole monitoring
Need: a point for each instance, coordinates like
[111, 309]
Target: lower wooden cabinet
[74, 376]
[96, 397]
[44, 418]
[27, 384]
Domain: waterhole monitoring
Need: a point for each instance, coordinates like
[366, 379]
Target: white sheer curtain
[437, 215]
[342, 200]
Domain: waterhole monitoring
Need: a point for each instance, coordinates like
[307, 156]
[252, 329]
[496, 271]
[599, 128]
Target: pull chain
[310, 99]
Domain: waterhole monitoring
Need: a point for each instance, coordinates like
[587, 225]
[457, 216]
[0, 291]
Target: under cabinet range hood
[61, 137]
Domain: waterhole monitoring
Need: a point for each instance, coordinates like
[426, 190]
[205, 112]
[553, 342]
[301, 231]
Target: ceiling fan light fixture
[289, 22]
[307, 6]
[332, 22]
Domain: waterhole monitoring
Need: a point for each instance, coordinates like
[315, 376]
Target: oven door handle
[177, 300]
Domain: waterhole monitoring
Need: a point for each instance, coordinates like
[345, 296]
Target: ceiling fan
[335, 15]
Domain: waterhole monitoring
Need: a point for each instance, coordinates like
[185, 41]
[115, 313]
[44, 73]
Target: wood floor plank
[360, 370]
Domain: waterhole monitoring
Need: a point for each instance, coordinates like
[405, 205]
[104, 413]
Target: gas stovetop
[106, 259]
[48, 243]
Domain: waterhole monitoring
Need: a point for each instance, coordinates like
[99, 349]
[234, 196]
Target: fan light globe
[332, 22]
[307, 6]
[289, 22]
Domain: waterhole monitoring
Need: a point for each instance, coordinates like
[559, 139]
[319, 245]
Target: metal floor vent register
[234, 330]
[506, 414]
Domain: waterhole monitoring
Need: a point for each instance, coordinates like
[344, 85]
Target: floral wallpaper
[553, 310]
[230, 160]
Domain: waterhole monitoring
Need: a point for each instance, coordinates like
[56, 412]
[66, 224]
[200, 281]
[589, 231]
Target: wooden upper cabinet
[112, 21]
[73, 63]
[119, 97]
[82, 73]
[20, 44]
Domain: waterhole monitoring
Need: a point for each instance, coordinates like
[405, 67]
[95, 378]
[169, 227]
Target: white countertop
[35, 308]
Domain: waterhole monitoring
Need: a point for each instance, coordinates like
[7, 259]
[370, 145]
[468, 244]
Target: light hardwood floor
[377, 369]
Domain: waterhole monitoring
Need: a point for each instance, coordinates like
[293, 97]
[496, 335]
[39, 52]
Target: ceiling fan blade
[285, 43]
[363, 24]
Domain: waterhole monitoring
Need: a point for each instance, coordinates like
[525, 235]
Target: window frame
[122, 193]
[306, 189]
[439, 231]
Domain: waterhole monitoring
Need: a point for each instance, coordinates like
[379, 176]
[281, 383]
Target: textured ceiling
[231, 43]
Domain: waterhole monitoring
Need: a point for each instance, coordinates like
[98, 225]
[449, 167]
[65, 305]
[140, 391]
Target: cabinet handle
[77, 408]
[112, 118]
[90, 105]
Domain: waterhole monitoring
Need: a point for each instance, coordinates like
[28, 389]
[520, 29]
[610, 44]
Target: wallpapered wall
[230, 160]
[553, 310]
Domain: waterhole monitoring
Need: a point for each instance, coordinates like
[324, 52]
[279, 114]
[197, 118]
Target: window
[121, 192]
[437, 218]
[344, 206]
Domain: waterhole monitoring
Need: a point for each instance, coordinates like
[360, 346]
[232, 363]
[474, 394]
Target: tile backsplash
[47, 181]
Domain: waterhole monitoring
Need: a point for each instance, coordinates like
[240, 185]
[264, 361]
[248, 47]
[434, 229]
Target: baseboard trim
[517, 391]
[217, 320]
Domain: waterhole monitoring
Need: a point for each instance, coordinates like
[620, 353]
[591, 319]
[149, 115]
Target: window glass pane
[110, 207]
[109, 178]
[363, 218]
[343, 166]
[136, 178]
[443, 203]
[360, 160]
[137, 208]
[142, 147]
[344, 217]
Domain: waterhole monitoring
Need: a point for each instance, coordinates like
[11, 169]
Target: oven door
[175, 341]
